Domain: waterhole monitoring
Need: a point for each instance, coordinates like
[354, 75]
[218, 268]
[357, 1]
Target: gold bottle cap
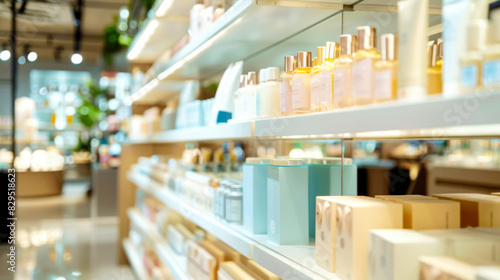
[389, 46]
[304, 59]
[314, 62]
[332, 50]
[321, 51]
[367, 37]
[431, 54]
[440, 49]
[252, 78]
[348, 44]
[243, 80]
[290, 63]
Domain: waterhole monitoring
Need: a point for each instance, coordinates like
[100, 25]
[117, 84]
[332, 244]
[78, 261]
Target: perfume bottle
[386, 70]
[362, 69]
[239, 95]
[286, 86]
[250, 102]
[434, 79]
[470, 62]
[301, 84]
[316, 80]
[342, 77]
[332, 52]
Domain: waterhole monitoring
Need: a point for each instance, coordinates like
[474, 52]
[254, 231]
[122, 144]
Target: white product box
[394, 253]
[355, 219]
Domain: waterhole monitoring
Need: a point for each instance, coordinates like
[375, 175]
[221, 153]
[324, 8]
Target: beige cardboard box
[430, 214]
[355, 219]
[476, 210]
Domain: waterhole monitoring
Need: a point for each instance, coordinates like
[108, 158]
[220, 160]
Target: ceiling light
[76, 58]
[5, 53]
[32, 56]
[124, 13]
[21, 60]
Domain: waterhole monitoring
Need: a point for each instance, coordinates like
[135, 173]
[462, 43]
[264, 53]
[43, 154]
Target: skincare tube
[412, 26]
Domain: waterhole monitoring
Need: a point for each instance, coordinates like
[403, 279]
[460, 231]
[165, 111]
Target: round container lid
[256, 160]
[287, 162]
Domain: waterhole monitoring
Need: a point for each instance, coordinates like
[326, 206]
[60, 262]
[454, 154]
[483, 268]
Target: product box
[398, 198]
[430, 214]
[355, 219]
[325, 179]
[439, 267]
[233, 271]
[476, 210]
[201, 265]
[255, 195]
[394, 253]
[287, 202]
[469, 244]
[177, 237]
[326, 230]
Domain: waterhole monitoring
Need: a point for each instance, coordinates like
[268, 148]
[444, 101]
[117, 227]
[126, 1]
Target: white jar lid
[256, 160]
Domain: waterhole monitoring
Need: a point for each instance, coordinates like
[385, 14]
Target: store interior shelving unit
[261, 32]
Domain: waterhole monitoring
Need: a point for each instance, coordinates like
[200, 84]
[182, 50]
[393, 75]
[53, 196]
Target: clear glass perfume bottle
[386, 70]
[470, 63]
[434, 77]
[286, 86]
[332, 52]
[342, 77]
[362, 69]
[301, 84]
[316, 79]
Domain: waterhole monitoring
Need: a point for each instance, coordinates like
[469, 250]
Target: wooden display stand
[36, 184]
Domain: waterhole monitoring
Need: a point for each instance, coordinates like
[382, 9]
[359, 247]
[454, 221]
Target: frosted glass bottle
[301, 84]
[363, 66]
[342, 77]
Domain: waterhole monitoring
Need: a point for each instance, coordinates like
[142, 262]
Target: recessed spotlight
[76, 58]
[32, 56]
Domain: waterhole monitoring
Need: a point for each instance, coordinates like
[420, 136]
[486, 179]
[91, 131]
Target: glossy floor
[58, 239]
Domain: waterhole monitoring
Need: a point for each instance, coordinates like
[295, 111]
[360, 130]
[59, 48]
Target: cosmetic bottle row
[376, 238]
[207, 258]
[204, 13]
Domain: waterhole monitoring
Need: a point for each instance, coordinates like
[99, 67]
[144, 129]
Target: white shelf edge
[176, 264]
[135, 260]
[233, 235]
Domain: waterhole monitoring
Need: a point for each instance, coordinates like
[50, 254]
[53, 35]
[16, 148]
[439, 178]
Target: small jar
[234, 204]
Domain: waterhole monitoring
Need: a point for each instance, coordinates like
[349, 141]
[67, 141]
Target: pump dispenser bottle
[470, 62]
[342, 78]
[239, 96]
[362, 69]
[386, 70]
[316, 80]
[301, 84]
[434, 80]
[327, 95]
[286, 86]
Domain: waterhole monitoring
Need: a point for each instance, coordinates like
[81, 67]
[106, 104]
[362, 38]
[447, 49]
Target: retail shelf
[167, 22]
[437, 117]
[287, 262]
[135, 260]
[175, 263]
[231, 131]
[158, 92]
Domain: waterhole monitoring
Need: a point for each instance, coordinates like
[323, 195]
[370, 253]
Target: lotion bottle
[301, 84]
[270, 94]
[342, 82]
[362, 69]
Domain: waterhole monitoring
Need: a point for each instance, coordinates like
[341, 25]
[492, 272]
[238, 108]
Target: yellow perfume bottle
[327, 71]
[286, 86]
[316, 80]
[362, 69]
[386, 70]
[301, 84]
[470, 62]
[342, 74]
[434, 77]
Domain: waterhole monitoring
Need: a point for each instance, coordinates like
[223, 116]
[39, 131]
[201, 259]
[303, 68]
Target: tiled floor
[58, 239]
